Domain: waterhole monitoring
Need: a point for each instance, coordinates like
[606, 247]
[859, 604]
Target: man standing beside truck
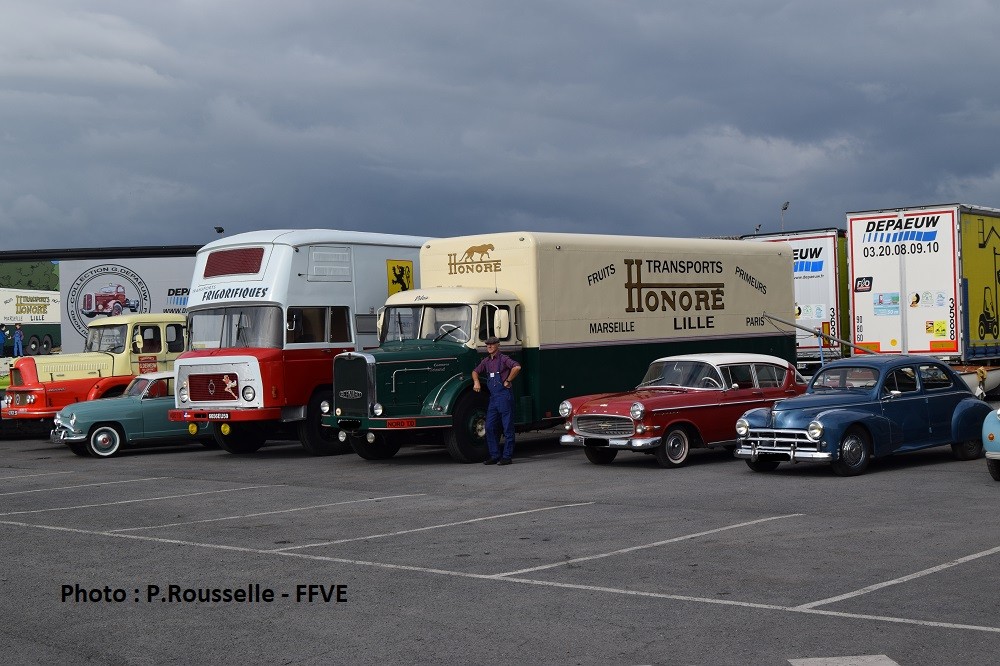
[500, 371]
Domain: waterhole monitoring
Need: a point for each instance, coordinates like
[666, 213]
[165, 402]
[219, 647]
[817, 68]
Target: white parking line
[522, 581]
[131, 501]
[903, 579]
[429, 527]
[83, 485]
[630, 549]
[265, 513]
[28, 476]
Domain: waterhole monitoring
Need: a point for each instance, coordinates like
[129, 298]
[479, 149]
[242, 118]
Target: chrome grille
[596, 425]
[774, 438]
[212, 387]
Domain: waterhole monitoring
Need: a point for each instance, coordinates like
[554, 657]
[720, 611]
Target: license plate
[218, 416]
[401, 423]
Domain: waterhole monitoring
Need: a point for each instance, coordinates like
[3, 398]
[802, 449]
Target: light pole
[784, 207]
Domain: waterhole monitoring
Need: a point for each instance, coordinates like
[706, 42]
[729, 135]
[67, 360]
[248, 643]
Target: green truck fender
[441, 399]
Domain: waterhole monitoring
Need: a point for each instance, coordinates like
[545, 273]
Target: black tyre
[105, 440]
[763, 465]
[674, 449]
[994, 467]
[32, 346]
[316, 438]
[209, 443]
[466, 439]
[46, 347]
[982, 326]
[242, 438]
[600, 455]
[968, 450]
[79, 448]
[385, 446]
[855, 453]
[116, 309]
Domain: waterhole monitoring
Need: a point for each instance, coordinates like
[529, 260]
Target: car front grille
[774, 438]
[590, 425]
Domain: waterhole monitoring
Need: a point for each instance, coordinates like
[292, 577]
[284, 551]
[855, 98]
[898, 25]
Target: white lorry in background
[267, 312]
[38, 312]
[924, 280]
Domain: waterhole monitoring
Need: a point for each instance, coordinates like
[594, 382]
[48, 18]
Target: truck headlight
[377, 409]
[742, 427]
[814, 431]
[182, 393]
[324, 407]
[637, 411]
[30, 399]
[565, 409]
[248, 393]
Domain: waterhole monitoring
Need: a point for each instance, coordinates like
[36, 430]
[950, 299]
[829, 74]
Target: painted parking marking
[861, 660]
[132, 501]
[265, 513]
[28, 476]
[631, 549]
[903, 579]
[509, 579]
[429, 527]
[84, 485]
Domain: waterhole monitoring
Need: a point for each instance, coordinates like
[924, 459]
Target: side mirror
[501, 324]
[292, 323]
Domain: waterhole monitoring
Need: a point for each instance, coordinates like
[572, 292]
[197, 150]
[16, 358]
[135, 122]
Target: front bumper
[63, 435]
[28, 413]
[993, 455]
[752, 449]
[222, 415]
[630, 443]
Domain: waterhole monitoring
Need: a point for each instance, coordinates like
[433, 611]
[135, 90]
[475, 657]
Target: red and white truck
[267, 312]
[108, 300]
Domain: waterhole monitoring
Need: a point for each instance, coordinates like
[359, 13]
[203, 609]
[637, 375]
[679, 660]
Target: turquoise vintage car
[991, 443]
[101, 428]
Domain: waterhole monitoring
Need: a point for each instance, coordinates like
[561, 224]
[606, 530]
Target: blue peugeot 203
[864, 407]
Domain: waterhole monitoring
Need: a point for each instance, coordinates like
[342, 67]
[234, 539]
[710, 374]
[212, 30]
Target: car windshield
[237, 327]
[690, 374]
[137, 386]
[426, 322]
[105, 339]
[844, 378]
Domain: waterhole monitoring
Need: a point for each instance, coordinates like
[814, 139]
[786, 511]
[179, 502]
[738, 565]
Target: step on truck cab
[116, 350]
[581, 313]
[268, 311]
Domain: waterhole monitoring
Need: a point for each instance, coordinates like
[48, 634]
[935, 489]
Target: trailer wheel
[31, 349]
[316, 438]
[46, 347]
[242, 438]
[466, 439]
[385, 446]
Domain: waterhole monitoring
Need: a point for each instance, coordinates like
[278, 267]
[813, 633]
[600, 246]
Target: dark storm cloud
[151, 123]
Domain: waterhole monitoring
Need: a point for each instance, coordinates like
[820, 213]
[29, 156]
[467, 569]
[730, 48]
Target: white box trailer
[38, 312]
[267, 312]
[924, 280]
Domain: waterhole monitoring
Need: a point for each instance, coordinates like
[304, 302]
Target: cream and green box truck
[581, 313]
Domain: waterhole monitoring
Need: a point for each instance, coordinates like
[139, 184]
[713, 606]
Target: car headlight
[998, 413]
[814, 431]
[742, 427]
[637, 411]
[565, 409]
[377, 409]
[248, 393]
[182, 393]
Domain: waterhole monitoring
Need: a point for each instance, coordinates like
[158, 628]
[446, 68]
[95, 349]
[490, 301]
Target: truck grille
[212, 387]
[351, 385]
[603, 426]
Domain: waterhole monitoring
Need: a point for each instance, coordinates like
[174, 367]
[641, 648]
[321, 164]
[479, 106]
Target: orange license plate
[401, 423]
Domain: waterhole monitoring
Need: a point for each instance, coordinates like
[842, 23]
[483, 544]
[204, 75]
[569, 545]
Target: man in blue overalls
[500, 371]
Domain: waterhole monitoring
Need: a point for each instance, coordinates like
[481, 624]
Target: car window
[844, 377]
[739, 375]
[769, 376]
[903, 380]
[934, 377]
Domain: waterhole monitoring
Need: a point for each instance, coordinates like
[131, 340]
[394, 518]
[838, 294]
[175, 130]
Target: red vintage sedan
[683, 402]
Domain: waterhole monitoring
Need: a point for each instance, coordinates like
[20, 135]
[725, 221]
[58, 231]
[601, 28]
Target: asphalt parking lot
[419, 559]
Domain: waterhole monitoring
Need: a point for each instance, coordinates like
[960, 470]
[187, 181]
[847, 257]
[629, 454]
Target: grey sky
[138, 123]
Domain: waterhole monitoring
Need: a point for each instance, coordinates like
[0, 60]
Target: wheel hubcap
[852, 451]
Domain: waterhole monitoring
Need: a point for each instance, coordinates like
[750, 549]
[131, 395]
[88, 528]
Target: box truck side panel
[980, 238]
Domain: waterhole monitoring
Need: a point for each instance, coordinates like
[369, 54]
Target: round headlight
[31, 398]
[637, 410]
[324, 407]
[248, 393]
[565, 409]
[998, 413]
[814, 431]
[742, 427]
[377, 409]
[182, 394]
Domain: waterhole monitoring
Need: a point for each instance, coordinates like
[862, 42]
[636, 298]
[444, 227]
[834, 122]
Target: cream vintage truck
[117, 349]
[582, 314]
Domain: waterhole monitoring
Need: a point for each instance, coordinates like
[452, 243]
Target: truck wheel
[105, 440]
[385, 446]
[31, 349]
[116, 309]
[316, 438]
[242, 438]
[466, 439]
[600, 455]
[968, 450]
[994, 468]
[855, 453]
[46, 347]
[674, 449]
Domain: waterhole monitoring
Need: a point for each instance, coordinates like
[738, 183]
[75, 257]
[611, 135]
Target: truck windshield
[235, 327]
[105, 339]
[427, 322]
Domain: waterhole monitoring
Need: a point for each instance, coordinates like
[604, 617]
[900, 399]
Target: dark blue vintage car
[866, 407]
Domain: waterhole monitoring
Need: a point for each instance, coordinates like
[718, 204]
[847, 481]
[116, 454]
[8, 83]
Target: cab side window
[175, 338]
[305, 325]
[340, 325]
[486, 318]
[147, 340]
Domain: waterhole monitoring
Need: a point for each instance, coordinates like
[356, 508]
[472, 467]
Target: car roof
[155, 375]
[726, 358]
[884, 360]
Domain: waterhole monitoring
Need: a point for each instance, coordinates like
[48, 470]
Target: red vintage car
[682, 402]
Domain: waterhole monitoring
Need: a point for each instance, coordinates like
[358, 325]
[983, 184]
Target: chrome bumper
[61, 435]
[993, 455]
[631, 443]
[751, 450]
